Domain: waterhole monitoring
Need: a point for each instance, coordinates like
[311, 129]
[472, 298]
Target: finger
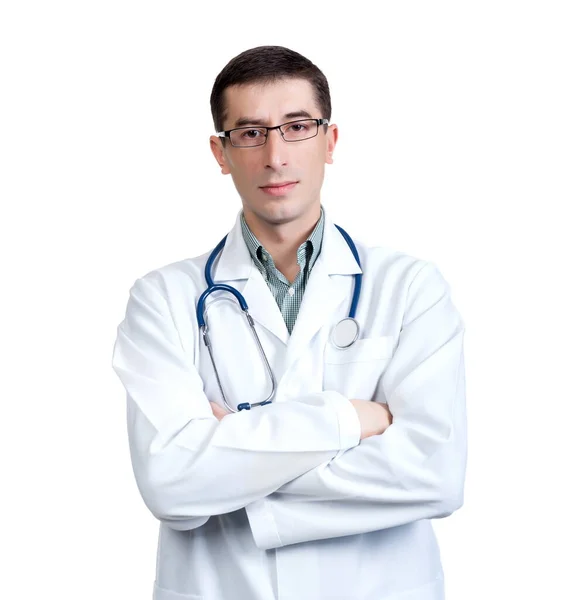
[218, 412]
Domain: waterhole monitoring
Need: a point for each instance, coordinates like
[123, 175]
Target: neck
[282, 240]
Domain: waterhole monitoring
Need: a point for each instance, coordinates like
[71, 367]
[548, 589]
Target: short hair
[267, 64]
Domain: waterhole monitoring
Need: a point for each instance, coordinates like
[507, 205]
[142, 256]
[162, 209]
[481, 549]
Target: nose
[275, 150]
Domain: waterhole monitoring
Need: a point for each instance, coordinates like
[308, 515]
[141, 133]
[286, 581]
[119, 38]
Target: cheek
[316, 168]
[316, 161]
[243, 174]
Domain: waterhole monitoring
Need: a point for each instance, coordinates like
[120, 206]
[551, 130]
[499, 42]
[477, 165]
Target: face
[277, 161]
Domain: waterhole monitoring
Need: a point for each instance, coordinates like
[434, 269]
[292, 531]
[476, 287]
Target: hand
[375, 417]
[219, 412]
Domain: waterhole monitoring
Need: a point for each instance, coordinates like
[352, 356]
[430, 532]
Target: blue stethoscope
[344, 334]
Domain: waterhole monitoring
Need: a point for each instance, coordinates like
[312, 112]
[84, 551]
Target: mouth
[279, 189]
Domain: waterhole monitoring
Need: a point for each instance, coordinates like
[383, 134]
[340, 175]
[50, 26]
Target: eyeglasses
[293, 131]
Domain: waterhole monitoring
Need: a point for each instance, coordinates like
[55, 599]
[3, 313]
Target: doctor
[327, 490]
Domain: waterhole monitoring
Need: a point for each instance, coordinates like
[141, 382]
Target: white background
[452, 147]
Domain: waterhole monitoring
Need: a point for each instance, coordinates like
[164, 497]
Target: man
[328, 491]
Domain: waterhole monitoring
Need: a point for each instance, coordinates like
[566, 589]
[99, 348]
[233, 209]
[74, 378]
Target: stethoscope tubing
[357, 277]
[214, 287]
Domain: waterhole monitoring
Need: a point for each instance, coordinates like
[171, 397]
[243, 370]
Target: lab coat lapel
[330, 282]
[263, 306]
[235, 267]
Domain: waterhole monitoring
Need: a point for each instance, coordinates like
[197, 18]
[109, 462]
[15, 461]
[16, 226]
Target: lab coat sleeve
[416, 468]
[188, 465]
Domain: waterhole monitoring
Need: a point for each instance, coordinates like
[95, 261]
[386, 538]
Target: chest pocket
[356, 371]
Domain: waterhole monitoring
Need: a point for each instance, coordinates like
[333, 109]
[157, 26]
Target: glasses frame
[226, 134]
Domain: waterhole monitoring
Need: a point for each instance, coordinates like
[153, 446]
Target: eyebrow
[243, 121]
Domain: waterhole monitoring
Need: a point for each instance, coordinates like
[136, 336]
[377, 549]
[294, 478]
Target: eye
[249, 133]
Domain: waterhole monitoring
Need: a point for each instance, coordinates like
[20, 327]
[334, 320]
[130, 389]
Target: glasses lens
[250, 136]
[299, 130]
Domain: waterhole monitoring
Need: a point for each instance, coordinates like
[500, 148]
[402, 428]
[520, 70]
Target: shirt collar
[308, 251]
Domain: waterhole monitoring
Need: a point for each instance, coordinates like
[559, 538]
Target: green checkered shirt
[288, 297]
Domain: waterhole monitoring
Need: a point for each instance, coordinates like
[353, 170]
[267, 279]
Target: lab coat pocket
[163, 594]
[356, 371]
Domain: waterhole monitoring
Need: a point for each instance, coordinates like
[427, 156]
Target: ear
[331, 138]
[219, 153]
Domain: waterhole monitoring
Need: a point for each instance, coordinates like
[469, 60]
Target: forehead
[269, 103]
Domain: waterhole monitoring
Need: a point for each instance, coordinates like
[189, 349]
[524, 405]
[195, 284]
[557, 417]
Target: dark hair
[267, 64]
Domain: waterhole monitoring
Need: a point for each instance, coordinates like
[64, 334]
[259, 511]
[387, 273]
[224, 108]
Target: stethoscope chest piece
[345, 333]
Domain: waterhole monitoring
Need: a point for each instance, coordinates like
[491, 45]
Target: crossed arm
[374, 417]
[416, 468]
[299, 468]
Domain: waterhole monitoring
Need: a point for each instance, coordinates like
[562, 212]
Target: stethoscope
[344, 333]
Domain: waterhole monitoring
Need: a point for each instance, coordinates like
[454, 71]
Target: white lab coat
[284, 501]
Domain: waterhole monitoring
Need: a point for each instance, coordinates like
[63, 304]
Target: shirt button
[291, 291]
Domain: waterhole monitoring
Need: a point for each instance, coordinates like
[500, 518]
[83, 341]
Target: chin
[280, 210]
